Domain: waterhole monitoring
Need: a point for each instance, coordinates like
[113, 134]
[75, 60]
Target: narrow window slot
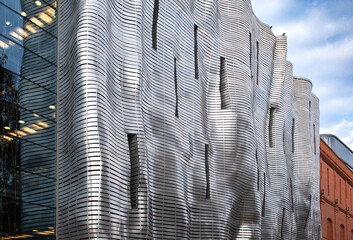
[291, 193]
[293, 129]
[154, 24]
[283, 139]
[258, 179]
[250, 57]
[257, 62]
[270, 127]
[282, 224]
[314, 137]
[134, 169]
[207, 172]
[307, 216]
[196, 55]
[256, 156]
[176, 89]
[223, 85]
[309, 112]
[264, 198]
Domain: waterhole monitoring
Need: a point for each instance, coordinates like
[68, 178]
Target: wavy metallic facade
[181, 120]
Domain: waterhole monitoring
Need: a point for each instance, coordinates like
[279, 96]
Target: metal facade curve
[132, 99]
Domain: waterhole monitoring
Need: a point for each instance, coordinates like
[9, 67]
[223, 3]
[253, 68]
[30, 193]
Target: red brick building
[336, 186]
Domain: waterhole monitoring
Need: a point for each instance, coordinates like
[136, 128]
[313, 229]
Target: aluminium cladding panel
[315, 121]
[99, 105]
[306, 162]
[277, 222]
[180, 208]
[115, 81]
[288, 112]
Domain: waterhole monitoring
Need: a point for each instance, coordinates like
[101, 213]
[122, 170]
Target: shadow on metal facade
[181, 120]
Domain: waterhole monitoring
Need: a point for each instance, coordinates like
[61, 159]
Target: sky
[320, 46]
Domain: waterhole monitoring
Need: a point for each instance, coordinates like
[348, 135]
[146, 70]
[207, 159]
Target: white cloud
[320, 46]
[326, 61]
[343, 130]
[267, 10]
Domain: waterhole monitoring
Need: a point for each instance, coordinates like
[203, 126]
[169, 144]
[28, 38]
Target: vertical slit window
[176, 89]
[291, 193]
[223, 85]
[264, 198]
[154, 24]
[270, 127]
[258, 179]
[309, 112]
[256, 156]
[307, 216]
[250, 57]
[257, 62]
[196, 55]
[314, 137]
[283, 139]
[207, 172]
[282, 223]
[134, 169]
[293, 129]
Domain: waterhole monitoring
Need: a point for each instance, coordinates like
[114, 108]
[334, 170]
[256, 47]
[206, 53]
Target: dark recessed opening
[196, 55]
[176, 89]
[134, 169]
[154, 24]
[223, 85]
[207, 172]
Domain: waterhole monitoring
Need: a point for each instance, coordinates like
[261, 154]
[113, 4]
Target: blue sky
[320, 46]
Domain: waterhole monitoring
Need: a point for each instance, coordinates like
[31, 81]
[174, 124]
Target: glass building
[28, 52]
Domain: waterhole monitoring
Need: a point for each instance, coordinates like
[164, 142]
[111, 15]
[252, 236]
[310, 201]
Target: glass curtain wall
[28, 53]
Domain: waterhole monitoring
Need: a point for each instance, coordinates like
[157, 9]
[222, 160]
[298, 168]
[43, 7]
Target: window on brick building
[329, 229]
[342, 232]
[340, 190]
[328, 181]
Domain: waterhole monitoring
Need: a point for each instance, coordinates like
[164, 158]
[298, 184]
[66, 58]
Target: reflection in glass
[27, 124]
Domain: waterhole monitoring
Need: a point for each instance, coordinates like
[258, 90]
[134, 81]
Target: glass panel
[42, 15]
[28, 52]
[23, 32]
